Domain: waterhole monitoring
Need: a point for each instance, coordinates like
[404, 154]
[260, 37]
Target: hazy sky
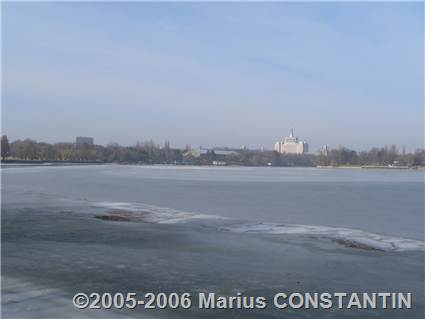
[215, 74]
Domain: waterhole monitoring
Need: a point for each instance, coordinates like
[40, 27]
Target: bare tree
[5, 148]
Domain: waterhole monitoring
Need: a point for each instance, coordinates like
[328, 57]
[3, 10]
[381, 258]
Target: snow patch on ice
[156, 214]
[346, 236]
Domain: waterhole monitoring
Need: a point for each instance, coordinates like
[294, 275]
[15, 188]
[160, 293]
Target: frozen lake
[258, 231]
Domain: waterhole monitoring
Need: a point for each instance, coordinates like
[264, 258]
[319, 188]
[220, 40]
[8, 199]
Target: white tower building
[291, 145]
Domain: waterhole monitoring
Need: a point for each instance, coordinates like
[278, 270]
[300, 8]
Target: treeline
[151, 153]
[265, 158]
[384, 156]
[342, 156]
[142, 152]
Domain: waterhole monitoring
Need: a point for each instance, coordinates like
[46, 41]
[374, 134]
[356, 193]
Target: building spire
[291, 134]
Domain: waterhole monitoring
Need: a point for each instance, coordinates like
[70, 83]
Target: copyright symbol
[81, 300]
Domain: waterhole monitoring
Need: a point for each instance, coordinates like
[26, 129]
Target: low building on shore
[219, 156]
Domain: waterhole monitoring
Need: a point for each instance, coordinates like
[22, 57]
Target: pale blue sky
[215, 74]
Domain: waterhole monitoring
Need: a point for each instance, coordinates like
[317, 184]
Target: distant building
[291, 145]
[79, 140]
[224, 154]
[324, 150]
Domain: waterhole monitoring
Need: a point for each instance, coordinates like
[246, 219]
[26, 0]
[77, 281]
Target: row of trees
[149, 152]
[341, 156]
[146, 152]
[375, 156]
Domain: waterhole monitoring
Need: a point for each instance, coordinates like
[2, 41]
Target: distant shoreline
[372, 167]
[17, 163]
[47, 163]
